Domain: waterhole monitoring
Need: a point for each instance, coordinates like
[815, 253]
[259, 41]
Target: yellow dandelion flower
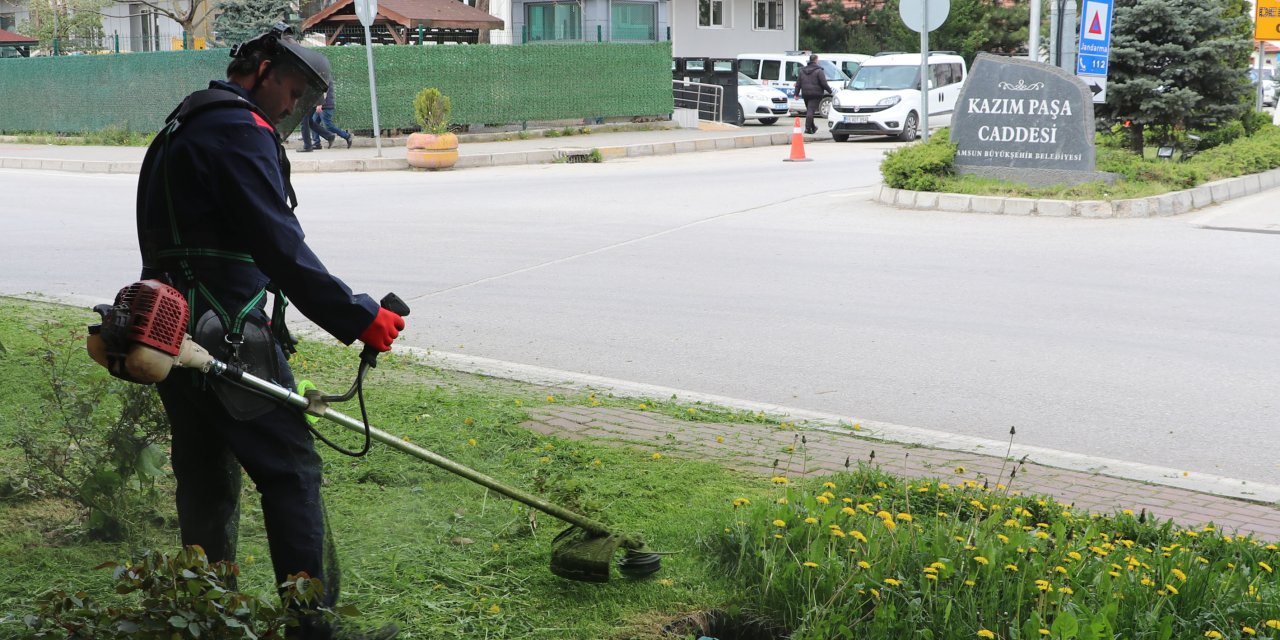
[811, 520]
[1060, 569]
[864, 564]
[1011, 523]
[666, 582]
[857, 535]
[828, 485]
[779, 523]
[930, 576]
[1043, 535]
[1045, 632]
[981, 560]
[884, 515]
[822, 499]
[891, 582]
[468, 421]
[1002, 538]
[969, 583]
[778, 480]
[657, 456]
[644, 407]
[1211, 633]
[544, 459]
[811, 565]
[777, 536]
[691, 410]
[495, 609]
[1170, 588]
[837, 533]
[1011, 567]
[889, 524]
[1177, 573]
[846, 500]
[1273, 624]
[249, 559]
[741, 502]
[1043, 585]
[471, 441]
[930, 571]
[937, 565]
[1066, 590]
[905, 517]
[1266, 567]
[551, 398]
[848, 511]
[943, 514]
[782, 500]
[959, 471]
[983, 633]
[875, 593]
[1249, 631]
[597, 462]
[720, 439]
[1074, 555]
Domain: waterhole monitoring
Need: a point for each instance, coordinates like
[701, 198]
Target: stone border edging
[1168, 204]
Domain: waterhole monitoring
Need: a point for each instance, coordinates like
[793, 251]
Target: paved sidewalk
[473, 151]
[754, 448]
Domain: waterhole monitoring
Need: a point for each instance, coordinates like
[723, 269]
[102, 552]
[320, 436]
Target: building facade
[588, 21]
[726, 28]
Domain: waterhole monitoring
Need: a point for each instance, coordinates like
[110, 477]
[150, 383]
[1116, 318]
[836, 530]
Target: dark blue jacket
[229, 183]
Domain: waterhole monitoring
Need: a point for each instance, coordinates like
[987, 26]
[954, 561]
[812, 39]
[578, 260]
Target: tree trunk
[1136, 138]
[482, 36]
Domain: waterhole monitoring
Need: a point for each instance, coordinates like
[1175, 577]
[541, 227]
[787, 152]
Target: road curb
[466, 161]
[1167, 204]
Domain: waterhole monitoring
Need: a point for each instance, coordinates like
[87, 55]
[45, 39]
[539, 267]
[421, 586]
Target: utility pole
[1033, 45]
[55, 27]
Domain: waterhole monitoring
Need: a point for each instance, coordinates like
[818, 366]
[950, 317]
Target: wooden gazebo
[403, 22]
[10, 41]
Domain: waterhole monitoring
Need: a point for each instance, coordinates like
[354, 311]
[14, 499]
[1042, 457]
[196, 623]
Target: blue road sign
[1095, 46]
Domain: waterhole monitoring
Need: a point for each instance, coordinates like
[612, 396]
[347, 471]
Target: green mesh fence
[488, 84]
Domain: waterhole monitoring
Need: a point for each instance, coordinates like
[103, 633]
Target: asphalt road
[736, 274]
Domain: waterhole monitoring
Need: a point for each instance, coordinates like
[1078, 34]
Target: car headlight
[835, 101]
[889, 102]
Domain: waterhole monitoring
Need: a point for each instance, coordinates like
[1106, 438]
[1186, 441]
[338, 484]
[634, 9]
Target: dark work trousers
[277, 451]
[810, 108]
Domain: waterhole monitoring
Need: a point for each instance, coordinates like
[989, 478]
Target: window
[634, 21]
[768, 14]
[551, 21]
[793, 71]
[711, 13]
[770, 70]
[941, 74]
[6, 21]
[750, 68]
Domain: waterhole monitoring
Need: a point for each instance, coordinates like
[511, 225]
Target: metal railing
[707, 99]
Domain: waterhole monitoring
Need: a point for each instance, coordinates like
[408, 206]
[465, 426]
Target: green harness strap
[235, 324]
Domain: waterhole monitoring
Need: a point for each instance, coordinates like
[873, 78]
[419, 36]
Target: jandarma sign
[1022, 115]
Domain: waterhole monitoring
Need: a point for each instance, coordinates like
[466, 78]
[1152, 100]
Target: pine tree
[241, 20]
[1177, 65]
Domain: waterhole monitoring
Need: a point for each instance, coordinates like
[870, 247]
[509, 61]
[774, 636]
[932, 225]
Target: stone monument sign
[1026, 122]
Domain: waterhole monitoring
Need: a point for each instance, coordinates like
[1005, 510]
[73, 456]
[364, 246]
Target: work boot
[329, 140]
[347, 631]
[349, 138]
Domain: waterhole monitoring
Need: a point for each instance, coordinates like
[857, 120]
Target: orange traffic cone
[797, 145]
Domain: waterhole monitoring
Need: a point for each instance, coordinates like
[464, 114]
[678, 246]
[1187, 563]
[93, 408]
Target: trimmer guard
[577, 554]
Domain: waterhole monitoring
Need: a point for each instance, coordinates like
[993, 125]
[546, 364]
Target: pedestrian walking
[812, 87]
[216, 221]
[323, 122]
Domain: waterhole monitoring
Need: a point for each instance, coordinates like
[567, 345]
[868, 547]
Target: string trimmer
[143, 337]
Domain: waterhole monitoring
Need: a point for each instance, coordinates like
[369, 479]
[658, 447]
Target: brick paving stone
[765, 449]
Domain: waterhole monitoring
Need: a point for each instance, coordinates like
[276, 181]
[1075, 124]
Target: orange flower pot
[432, 151]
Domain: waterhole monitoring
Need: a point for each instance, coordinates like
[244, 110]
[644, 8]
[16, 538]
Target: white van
[848, 63]
[884, 98]
[780, 70]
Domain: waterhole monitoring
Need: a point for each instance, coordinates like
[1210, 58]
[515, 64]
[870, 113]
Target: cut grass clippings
[445, 558]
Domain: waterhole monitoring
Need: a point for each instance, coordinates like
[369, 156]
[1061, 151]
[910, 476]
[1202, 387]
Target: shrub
[431, 109]
[1255, 121]
[183, 596]
[867, 555]
[96, 440]
[921, 166]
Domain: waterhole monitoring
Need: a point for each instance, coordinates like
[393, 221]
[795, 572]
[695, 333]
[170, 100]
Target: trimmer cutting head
[577, 554]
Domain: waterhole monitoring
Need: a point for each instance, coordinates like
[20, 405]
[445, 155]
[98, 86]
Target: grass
[113, 136]
[929, 167]
[445, 558]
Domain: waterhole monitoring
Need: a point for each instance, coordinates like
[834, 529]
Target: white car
[758, 102]
[884, 98]
[781, 70]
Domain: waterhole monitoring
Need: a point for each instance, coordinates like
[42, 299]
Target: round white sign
[367, 9]
[912, 12]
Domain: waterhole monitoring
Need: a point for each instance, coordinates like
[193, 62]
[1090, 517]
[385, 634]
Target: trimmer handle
[391, 302]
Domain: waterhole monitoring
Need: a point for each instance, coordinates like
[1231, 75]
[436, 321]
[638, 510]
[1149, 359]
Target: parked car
[780, 70]
[758, 102]
[884, 98]
[1268, 85]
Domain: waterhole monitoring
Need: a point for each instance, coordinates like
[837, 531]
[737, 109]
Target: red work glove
[383, 330]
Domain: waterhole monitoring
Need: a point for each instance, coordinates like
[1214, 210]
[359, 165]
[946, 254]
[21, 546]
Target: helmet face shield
[289, 57]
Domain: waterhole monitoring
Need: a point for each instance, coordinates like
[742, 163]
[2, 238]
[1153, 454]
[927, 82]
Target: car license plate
[856, 119]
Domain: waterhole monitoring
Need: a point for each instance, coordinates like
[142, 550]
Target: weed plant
[112, 136]
[867, 555]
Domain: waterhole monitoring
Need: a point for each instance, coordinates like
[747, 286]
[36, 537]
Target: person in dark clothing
[322, 121]
[216, 221]
[812, 87]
